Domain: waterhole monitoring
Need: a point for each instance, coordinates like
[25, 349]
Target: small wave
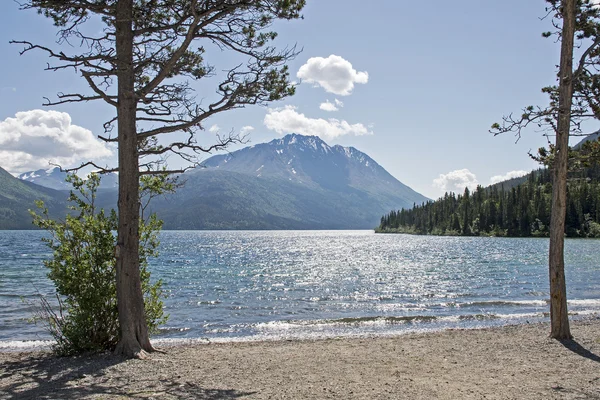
[384, 319]
[392, 320]
[536, 303]
[584, 313]
[208, 302]
[25, 345]
[585, 302]
[165, 330]
[535, 293]
[504, 303]
[361, 321]
[402, 307]
[523, 316]
[489, 317]
[350, 321]
[478, 317]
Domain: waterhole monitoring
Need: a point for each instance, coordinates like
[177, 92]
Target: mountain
[589, 138]
[514, 182]
[309, 161]
[17, 196]
[54, 178]
[109, 181]
[297, 182]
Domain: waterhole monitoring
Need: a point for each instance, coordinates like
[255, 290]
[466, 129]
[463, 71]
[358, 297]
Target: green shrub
[83, 269]
[592, 228]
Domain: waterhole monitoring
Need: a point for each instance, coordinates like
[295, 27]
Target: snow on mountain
[51, 178]
[311, 161]
[17, 196]
[54, 178]
[293, 182]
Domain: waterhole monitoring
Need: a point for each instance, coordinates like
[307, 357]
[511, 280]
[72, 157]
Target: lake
[261, 285]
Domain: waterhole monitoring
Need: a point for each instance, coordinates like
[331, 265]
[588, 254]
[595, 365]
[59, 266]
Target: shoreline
[388, 327]
[515, 361]
[481, 322]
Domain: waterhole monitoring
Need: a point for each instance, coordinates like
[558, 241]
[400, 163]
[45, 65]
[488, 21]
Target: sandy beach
[514, 362]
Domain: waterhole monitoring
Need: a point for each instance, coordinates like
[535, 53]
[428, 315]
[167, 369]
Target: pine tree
[140, 63]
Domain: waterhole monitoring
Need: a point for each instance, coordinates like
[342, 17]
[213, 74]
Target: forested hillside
[17, 197]
[523, 210]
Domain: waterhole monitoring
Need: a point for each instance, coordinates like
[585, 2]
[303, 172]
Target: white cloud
[507, 176]
[214, 128]
[33, 139]
[456, 181]
[334, 74]
[328, 106]
[246, 129]
[288, 120]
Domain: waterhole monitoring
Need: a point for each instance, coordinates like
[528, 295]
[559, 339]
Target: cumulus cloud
[214, 128]
[33, 139]
[334, 74]
[246, 129]
[456, 181]
[288, 120]
[507, 176]
[328, 106]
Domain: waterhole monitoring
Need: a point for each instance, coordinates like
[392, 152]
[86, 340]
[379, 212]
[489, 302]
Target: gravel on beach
[512, 362]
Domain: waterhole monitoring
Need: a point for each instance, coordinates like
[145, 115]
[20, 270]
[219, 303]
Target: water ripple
[233, 285]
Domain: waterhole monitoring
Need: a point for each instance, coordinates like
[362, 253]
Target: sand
[514, 362]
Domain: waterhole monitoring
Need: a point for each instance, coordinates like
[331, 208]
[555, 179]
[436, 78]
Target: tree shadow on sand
[47, 377]
[579, 349]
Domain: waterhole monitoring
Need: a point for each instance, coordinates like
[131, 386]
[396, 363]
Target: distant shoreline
[508, 362]
[404, 232]
[33, 229]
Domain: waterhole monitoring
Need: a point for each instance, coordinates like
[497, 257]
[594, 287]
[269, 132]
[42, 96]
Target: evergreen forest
[516, 209]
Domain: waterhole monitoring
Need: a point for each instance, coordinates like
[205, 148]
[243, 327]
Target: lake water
[256, 285]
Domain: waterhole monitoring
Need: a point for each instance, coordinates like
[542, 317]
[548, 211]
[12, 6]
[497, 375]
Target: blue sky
[416, 86]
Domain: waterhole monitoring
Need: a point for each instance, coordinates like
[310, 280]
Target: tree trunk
[134, 341]
[559, 319]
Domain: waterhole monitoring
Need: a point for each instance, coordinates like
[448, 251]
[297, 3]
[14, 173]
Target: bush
[592, 228]
[83, 269]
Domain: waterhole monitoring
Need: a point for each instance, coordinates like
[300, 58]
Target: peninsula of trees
[521, 210]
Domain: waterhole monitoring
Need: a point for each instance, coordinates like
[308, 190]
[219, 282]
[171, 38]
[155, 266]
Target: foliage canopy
[82, 268]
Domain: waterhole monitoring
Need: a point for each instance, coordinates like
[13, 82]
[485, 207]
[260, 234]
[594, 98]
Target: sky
[415, 85]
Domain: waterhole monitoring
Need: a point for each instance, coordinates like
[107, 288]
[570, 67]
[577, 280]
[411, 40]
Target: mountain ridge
[293, 182]
[54, 178]
[17, 197]
[309, 160]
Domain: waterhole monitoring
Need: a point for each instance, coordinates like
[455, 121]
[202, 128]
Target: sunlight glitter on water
[231, 285]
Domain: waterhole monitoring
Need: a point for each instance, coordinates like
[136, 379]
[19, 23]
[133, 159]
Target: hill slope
[505, 210]
[309, 161]
[54, 178]
[17, 196]
[231, 200]
[297, 182]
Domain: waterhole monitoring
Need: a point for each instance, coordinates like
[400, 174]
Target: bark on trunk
[559, 320]
[134, 341]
